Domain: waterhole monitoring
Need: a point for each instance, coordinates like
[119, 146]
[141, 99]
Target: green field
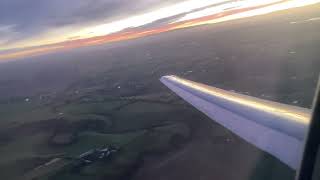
[137, 126]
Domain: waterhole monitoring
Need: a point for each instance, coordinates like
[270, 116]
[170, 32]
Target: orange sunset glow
[217, 14]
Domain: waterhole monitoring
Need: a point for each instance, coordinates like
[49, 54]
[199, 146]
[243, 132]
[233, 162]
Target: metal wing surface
[275, 128]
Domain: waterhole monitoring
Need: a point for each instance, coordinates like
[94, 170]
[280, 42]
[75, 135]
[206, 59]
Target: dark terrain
[57, 106]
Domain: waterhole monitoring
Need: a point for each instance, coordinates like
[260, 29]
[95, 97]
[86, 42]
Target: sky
[33, 27]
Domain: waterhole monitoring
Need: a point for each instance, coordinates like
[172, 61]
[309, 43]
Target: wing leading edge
[275, 128]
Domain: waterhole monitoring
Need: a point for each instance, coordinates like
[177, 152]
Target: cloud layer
[79, 23]
[22, 19]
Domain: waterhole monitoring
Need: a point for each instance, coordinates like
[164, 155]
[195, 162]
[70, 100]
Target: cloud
[29, 18]
[6, 31]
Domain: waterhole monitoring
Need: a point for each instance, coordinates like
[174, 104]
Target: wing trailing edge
[275, 128]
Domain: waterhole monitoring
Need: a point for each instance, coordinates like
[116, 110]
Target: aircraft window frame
[312, 145]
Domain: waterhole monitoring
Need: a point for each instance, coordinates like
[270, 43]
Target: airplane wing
[275, 128]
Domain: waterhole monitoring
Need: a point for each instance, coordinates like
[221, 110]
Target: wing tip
[167, 78]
